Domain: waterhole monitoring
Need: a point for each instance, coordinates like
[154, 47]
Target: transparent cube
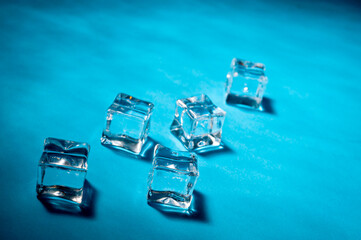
[246, 83]
[128, 123]
[61, 171]
[172, 178]
[198, 123]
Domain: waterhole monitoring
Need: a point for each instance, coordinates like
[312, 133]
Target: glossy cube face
[62, 169]
[246, 83]
[128, 123]
[172, 178]
[198, 123]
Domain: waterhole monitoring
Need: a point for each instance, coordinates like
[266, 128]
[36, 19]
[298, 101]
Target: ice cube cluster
[197, 124]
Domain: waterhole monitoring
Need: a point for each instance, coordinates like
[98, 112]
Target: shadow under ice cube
[128, 123]
[198, 123]
[61, 171]
[172, 179]
[246, 83]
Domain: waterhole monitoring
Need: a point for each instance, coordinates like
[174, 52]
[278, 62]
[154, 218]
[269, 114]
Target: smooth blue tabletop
[292, 172]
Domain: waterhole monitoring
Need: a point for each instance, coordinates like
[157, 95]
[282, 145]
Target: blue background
[292, 172]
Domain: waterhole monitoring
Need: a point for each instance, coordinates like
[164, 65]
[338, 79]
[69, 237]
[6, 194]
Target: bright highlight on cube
[246, 83]
[61, 171]
[198, 123]
[128, 123]
[172, 179]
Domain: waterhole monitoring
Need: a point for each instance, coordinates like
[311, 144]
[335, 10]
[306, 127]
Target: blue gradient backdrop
[290, 173]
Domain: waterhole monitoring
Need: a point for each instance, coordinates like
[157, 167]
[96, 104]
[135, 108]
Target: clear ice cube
[128, 123]
[246, 83]
[198, 123]
[62, 169]
[172, 178]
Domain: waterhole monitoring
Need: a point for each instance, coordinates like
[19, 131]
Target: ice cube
[198, 123]
[128, 123]
[246, 83]
[62, 169]
[172, 178]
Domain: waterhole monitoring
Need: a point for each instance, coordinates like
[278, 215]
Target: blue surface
[291, 173]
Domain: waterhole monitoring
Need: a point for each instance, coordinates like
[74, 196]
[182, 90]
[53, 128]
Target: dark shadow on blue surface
[196, 212]
[224, 149]
[267, 105]
[146, 154]
[85, 209]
